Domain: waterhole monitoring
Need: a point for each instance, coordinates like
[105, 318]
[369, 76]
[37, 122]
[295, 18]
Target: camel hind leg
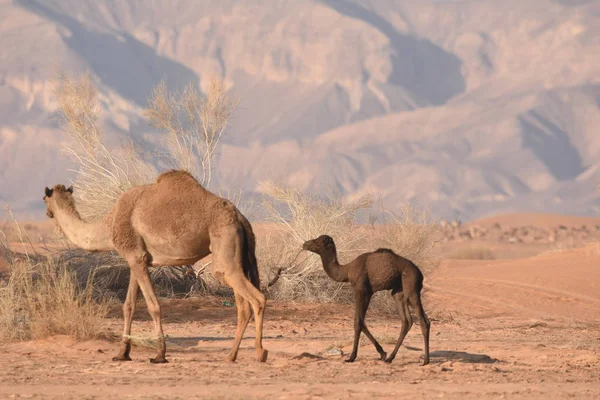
[405, 317]
[226, 245]
[415, 301]
[244, 314]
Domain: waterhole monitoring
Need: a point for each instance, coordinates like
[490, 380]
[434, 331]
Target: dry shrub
[299, 217]
[411, 234]
[44, 299]
[103, 173]
[194, 125]
[472, 253]
[109, 275]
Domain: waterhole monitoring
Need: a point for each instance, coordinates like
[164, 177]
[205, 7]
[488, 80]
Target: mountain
[468, 107]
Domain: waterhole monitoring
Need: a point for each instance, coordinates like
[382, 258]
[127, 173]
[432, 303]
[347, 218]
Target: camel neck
[91, 236]
[332, 267]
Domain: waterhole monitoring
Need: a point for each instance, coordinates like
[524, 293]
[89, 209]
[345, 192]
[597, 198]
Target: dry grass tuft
[44, 299]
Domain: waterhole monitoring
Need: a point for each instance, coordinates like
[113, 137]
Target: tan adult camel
[174, 221]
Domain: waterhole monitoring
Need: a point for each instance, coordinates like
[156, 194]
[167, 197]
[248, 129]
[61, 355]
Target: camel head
[57, 195]
[319, 244]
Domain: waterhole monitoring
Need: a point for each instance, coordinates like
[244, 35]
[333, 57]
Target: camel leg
[423, 322]
[361, 303]
[243, 317]
[226, 245]
[140, 270]
[378, 347]
[406, 319]
[365, 330]
[258, 302]
[128, 311]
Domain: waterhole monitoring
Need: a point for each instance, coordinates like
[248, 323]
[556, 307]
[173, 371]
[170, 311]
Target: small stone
[335, 352]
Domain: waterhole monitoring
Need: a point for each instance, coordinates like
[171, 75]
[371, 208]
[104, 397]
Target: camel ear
[49, 192]
[70, 189]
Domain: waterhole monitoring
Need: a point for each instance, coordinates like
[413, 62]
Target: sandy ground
[512, 328]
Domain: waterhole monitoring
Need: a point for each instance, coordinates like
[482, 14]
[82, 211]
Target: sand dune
[556, 285]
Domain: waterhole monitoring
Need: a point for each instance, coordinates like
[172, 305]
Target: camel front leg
[361, 303]
[128, 311]
[382, 353]
[140, 270]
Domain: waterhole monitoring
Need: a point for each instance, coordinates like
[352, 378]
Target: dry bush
[194, 125]
[472, 253]
[43, 299]
[109, 274]
[411, 234]
[299, 217]
[103, 173]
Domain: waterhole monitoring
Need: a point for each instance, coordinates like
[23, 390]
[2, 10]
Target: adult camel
[173, 221]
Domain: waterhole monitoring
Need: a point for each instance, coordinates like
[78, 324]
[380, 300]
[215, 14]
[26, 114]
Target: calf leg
[362, 298]
[406, 319]
[423, 322]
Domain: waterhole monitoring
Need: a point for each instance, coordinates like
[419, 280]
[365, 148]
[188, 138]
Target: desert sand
[524, 327]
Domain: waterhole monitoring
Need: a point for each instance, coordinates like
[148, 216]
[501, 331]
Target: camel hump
[175, 175]
[384, 250]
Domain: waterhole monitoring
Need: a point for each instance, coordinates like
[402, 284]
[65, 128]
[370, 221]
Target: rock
[335, 352]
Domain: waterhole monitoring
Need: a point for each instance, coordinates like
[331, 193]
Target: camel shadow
[461, 356]
[188, 342]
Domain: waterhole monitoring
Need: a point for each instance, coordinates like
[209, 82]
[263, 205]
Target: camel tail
[249, 257]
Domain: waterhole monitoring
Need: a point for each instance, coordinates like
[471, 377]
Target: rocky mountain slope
[467, 107]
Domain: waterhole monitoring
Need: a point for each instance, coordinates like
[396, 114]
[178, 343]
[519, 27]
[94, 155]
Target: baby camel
[371, 272]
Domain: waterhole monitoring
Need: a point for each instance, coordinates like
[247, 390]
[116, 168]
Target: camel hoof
[232, 357]
[263, 357]
[425, 362]
[121, 358]
[158, 360]
[383, 355]
[351, 359]
[389, 360]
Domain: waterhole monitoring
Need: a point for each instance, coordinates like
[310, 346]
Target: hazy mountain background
[468, 107]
